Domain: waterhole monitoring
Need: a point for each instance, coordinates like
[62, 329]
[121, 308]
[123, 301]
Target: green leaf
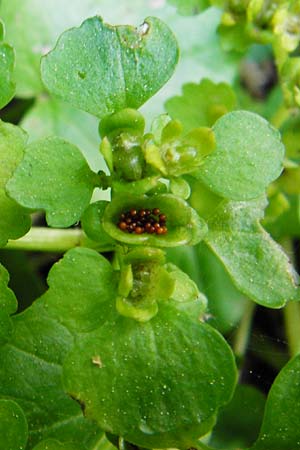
[8, 305]
[53, 444]
[7, 83]
[184, 224]
[190, 7]
[55, 177]
[13, 426]
[257, 265]
[201, 104]
[37, 32]
[145, 381]
[14, 220]
[103, 69]
[52, 117]
[225, 304]
[280, 428]
[240, 420]
[247, 158]
[88, 310]
[30, 363]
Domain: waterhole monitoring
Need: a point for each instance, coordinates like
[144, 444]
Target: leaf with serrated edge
[280, 429]
[102, 69]
[55, 177]
[257, 265]
[30, 363]
[14, 220]
[247, 158]
[13, 426]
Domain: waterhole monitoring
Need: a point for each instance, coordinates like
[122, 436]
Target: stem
[291, 311]
[40, 239]
[243, 332]
[292, 326]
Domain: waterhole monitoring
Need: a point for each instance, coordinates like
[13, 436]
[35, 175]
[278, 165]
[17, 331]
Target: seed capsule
[143, 221]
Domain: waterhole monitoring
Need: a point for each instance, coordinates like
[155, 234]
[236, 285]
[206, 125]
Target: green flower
[174, 154]
[183, 224]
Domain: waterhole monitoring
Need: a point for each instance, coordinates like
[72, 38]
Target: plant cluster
[122, 349]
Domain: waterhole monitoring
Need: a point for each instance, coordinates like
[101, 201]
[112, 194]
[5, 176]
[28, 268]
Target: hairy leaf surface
[247, 158]
[257, 264]
[55, 177]
[102, 69]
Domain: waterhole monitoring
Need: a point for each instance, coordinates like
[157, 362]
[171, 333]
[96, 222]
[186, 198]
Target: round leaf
[103, 69]
[157, 384]
[53, 176]
[247, 158]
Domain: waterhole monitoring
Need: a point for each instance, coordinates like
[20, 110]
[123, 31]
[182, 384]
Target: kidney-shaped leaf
[13, 426]
[102, 69]
[280, 429]
[14, 220]
[257, 265]
[55, 177]
[247, 158]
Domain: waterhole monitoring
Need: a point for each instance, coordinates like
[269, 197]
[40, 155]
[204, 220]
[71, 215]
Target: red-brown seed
[122, 225]
[156, 211]
[156, 226]
[159, 230]
[128, 220]
[138, 230]
[142, 213]
[162, 217]
[133, 212]
[164, 230]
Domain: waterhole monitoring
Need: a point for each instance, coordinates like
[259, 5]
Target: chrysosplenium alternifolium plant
[121, 345]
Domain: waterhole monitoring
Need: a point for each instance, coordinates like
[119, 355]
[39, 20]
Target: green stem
[56, 240]
[243, 332]
[292, 326]
[291, 311]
